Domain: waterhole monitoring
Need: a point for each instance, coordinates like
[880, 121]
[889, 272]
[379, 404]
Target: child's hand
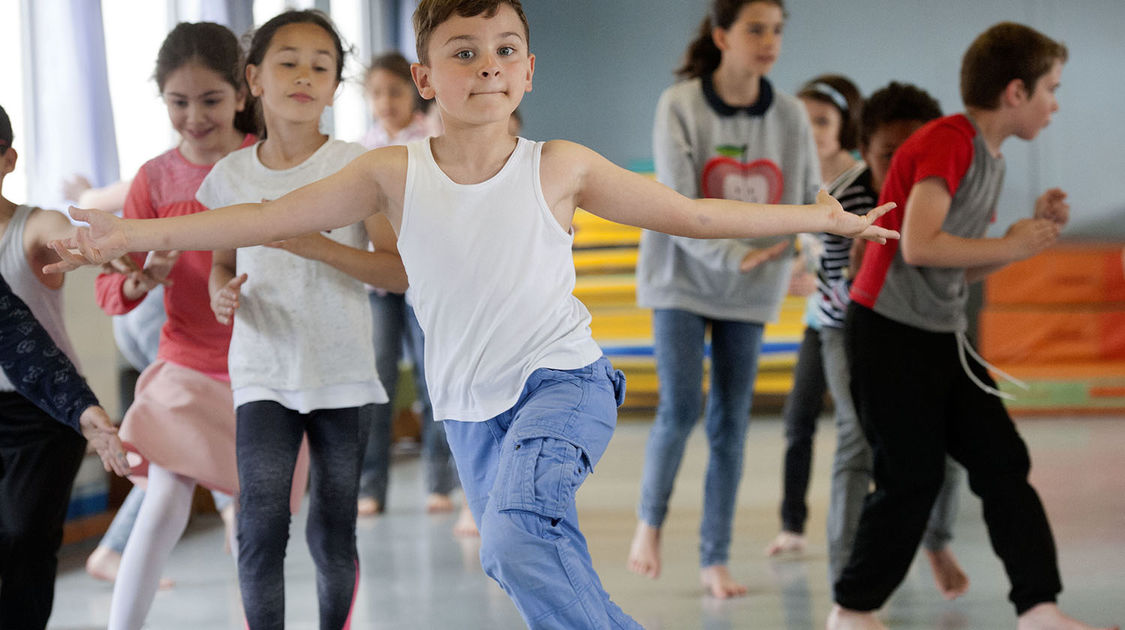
[307, 246]
[1052, 206]
[99, 243]
[851, 225]
[1028, 237]
[760, 256]
[73, 187]
[225, 301]
[159, 264]
[102, 436]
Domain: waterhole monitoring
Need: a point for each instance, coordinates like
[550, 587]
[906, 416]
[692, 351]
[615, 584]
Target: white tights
[160, 523]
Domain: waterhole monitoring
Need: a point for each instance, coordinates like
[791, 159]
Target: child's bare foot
[227, 515]
[465, 527]
[718, 581]
[644, 552]
[436, 503]
[951, 580]
[367, 506]
[104, 562]
[1047, 616]
[843, 619]
[786, 542]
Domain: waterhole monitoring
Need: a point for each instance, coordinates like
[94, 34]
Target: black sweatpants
[39, 458]
[915, 404]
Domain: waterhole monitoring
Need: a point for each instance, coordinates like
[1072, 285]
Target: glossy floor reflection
[415, 574]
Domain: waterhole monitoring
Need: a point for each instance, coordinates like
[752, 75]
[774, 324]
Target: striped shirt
[853, 190]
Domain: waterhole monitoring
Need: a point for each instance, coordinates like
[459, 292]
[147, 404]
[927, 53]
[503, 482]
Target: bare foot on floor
[227, 515]
[786, 542]
[950, 579]
[438, 503]
[104, 562]
[465, 527]
[366, 506]
[844, 619]
[719, 583]
[644, 551]
[1048, 617]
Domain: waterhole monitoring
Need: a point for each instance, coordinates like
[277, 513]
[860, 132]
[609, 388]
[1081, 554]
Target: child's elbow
[913, 253]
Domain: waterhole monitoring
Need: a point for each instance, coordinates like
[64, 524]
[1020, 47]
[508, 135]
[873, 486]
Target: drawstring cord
[963, 345]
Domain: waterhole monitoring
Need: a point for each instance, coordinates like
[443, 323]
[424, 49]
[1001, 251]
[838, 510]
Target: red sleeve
[947, 152]
[108, 287]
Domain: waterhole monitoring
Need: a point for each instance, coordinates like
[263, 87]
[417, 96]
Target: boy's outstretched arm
[346, 197]
[925, 244]
[609, 191]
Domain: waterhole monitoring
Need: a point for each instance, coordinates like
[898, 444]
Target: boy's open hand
[851, 225]
[101, 242]
[225, 301]
[102, 436]
[1052, 206]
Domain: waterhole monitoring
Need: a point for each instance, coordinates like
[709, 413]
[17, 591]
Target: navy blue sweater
[36, 367]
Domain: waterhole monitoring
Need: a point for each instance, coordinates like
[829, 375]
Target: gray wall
[601, 65]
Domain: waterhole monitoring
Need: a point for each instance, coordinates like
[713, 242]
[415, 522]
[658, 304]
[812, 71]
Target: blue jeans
[268, 438]
[396, 326]
[520, 471]
[678, 338]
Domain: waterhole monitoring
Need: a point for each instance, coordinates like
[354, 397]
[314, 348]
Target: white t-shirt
[302, 333]
[492, 278]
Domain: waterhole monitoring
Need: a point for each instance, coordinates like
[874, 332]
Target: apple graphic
[729, 177]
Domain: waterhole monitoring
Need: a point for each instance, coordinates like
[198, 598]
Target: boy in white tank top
[528, 400]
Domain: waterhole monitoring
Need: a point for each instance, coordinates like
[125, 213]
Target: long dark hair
[838, 91]
[703, 56]
[212, 46]
[263, 36]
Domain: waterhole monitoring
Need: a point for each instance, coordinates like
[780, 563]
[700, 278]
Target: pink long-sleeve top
[165, 186]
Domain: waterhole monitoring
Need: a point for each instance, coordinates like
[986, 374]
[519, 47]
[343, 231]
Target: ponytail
[702, 56]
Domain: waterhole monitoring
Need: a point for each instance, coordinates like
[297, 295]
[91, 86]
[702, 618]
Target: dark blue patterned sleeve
[36, 367]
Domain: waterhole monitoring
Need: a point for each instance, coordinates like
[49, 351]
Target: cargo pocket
[541, 475]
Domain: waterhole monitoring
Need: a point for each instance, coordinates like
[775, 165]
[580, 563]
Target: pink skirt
[183, 421]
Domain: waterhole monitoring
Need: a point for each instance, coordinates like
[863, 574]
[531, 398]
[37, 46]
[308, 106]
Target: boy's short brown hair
[432, 13]
[1005, 52]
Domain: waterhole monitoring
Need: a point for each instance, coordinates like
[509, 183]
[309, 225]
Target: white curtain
[70, 117]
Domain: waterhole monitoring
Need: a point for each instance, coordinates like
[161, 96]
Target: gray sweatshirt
[705, 148]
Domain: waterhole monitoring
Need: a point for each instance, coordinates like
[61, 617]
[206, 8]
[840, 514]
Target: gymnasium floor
[416, 575]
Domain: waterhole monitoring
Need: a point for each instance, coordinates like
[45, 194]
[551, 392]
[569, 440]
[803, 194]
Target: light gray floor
[415, 574]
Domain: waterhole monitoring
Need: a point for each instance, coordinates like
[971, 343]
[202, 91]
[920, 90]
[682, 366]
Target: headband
[831, 93]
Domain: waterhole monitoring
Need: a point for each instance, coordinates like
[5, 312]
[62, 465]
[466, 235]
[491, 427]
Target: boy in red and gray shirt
[917, 392]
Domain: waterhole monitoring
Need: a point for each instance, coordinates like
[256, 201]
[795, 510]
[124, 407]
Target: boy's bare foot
[366, 506]
[843, 619]
[1047, 616]
[104, 562]
[465, 527]
[437, 503]
[718, 581]
[951, 580]
[644, 551]
[786, 542]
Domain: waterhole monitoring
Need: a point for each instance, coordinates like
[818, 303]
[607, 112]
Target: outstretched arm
[348, 196]
[614, 193]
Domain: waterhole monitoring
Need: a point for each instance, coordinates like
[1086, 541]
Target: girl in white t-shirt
[301, 360]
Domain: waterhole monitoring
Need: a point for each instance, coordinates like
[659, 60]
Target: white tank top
[45, 304]
[492, 279]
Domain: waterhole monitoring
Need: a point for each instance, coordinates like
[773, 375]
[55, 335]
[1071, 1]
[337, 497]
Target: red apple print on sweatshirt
[727, 176]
